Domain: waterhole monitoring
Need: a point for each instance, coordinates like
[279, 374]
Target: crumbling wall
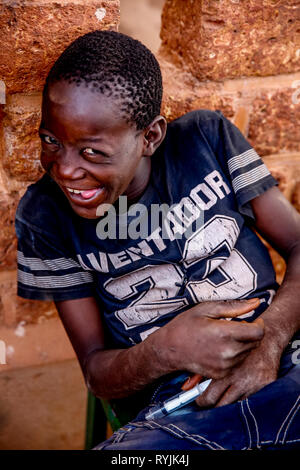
[32, 35]
[243, 58]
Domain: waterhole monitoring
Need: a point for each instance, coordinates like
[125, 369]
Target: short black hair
[117, 66]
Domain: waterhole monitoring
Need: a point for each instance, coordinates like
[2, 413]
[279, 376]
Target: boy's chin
[86, 213]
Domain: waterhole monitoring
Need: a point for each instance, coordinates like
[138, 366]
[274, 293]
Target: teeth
[73, 190]
[77, 191]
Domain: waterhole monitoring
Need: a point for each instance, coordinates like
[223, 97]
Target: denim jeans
[268, 419]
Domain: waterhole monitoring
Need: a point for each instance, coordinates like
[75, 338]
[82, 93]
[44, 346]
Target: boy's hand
[198, 340]
[258, 370]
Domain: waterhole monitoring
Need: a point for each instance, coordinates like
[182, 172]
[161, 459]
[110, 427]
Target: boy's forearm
[195, 340]
[121, 372]
[282, 318]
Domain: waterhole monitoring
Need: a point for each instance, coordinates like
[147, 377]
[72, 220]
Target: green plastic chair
[117, 413]
[99, 413]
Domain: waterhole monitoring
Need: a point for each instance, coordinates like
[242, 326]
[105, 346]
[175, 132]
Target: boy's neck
[138, 186]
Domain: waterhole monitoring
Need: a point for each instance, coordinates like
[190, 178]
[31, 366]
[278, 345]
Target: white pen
[178, 401]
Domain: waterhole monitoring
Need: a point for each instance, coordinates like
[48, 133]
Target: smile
[85, 193]
[84, 196]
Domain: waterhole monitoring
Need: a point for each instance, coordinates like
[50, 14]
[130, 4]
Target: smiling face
[90, 150]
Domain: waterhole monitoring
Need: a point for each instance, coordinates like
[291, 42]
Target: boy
[145, 312]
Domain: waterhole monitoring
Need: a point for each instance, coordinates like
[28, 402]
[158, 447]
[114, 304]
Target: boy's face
[88, 146]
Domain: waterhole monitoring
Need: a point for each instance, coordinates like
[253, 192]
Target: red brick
[20, 133]
[217, 40]
[286, 169]
[274, 123]
[270, 103]
[183, 93]
[34, 33]
[14, 309]
[34, 311]
[7, 232]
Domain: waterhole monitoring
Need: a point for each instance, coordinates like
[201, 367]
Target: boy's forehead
[82, 97]
[67, 102]
[58, 93]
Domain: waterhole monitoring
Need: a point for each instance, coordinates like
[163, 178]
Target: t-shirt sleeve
[46, 270]
[245, 169]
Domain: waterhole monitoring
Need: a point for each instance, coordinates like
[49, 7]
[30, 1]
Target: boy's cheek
[45, 160]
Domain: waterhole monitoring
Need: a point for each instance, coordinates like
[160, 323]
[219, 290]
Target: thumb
[260, 322]
[231, 308]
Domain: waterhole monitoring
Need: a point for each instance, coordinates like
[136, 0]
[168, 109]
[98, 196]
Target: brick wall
[243, 58]
[42, 392]
[32, 36]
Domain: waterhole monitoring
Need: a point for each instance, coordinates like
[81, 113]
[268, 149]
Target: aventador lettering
[178, 221]
[152, 291]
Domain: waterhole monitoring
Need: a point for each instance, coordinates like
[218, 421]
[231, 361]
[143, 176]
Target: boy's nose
[68, 166]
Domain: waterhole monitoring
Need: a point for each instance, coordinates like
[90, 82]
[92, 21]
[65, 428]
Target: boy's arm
[279, 223]
[194, 340]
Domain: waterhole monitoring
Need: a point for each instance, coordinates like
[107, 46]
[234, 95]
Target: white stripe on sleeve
[242, 160]
[54, 282]
[37, 264]
[250, 177]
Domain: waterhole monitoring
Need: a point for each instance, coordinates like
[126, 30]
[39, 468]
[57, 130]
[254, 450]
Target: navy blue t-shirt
[203, 247]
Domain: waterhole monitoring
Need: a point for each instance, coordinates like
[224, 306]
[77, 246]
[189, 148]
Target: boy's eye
[48, 140]
[90, 151]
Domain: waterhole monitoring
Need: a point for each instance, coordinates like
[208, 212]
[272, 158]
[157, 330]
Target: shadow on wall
[142, 19]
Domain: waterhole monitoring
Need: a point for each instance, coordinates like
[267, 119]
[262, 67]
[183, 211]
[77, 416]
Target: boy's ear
[154, 134]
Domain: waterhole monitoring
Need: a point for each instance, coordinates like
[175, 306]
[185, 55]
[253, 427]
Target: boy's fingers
[259, 321]
[247, 331]
[191, 382]
[229, 309]
[246, 346]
